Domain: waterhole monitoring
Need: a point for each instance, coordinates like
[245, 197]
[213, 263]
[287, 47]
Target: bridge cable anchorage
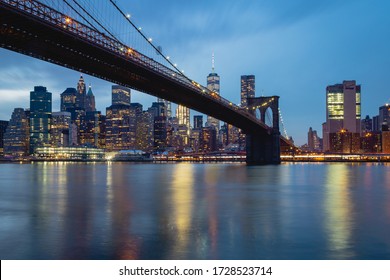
[282, 124]
[157, 49]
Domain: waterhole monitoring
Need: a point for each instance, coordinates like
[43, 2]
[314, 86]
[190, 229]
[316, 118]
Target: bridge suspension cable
[157, 49]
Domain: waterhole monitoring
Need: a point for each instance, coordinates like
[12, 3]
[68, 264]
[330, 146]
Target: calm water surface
[194, 211]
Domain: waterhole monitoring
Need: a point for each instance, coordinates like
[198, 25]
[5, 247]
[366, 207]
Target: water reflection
[194, 211]
[182, 201]
[338, 208]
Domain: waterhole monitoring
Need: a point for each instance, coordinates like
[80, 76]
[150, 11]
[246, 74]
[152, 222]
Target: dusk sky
[294, 48]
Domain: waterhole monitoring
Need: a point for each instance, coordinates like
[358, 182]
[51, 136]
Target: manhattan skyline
[294, 49]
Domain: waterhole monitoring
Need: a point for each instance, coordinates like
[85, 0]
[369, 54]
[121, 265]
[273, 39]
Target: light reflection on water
[194, 211]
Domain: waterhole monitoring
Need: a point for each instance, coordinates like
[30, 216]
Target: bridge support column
[263, 149]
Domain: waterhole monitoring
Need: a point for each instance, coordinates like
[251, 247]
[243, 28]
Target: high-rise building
[40, 117]
[247, 89]
[118, 134]
[313, 141]
[68, 99]
[158, 111]
[208, 139]
[60, 123]
[120, 95]
[343, 109]
[144, 135]
[3, 127]
[213, 84]
[198, 122]
[90, 105]
[366, 124]
[90, 129]
[384, 117]
[16, 137]
[168, 107]
[81, 93]
[183, 117]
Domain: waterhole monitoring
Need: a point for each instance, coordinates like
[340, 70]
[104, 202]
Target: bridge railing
[67, 24]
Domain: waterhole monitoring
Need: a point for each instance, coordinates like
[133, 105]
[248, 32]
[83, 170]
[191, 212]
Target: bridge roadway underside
[32, 36]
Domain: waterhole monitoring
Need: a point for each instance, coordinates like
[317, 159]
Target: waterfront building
[81, 93]
[60, 124]
[371, 142]
[344, 142]
[40, 117]
[343, 109]
[68, 99]
[69, 153]
[247, 89]
[16, 137]
[3, 127]
[90, 105]
[386, 142]
[120, 95]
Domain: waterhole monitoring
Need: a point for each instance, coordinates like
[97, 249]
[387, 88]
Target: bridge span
[37, 30]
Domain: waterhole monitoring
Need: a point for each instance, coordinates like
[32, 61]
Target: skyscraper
[168, 107]
[40, 117]
[198, 122]
[3, 127]
[118, 135]
[213, 84]
[68, 99]
[384, 117]
[81, 93]
[60, 124]
[16, 137]
[247, 89]
[90, 105]
[342, 111]
[120, 95]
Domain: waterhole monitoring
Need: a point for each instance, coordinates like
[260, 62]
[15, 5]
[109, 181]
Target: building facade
[40, 117]
[16, 137]
[247, 89]
[120, 95]
[343, 111]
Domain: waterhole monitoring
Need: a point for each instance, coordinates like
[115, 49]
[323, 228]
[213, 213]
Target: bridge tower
[261, 147]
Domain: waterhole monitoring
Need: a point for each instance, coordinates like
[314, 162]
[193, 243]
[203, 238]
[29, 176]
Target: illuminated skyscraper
[247, 89]
[60, 124]
[40, 117]
[68, 99]
[213, 84]
[120, 95]
[168, 107]
[343, 109]
[81, 93]
[16, 137]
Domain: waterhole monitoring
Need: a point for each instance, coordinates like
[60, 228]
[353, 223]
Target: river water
[194, 211]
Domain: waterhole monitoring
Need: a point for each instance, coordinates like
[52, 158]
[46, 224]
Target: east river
[194, 211]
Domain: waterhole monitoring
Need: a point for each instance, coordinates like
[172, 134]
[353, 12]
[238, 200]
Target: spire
[89, 90]
[212, 62]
